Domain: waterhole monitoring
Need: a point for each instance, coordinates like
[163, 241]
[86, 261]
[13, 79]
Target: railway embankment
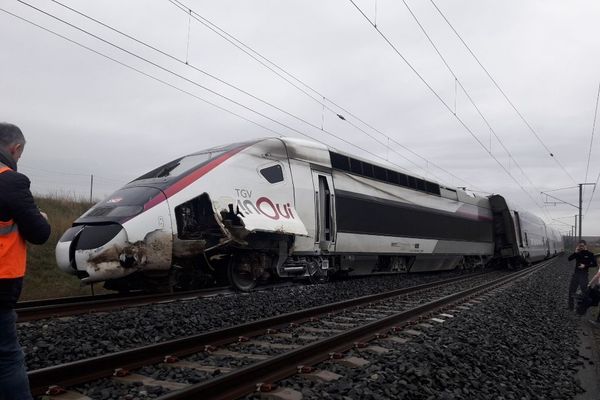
[517, 342]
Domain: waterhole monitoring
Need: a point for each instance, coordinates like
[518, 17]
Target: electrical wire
[182, 77]
[550, 153]
[385, 38]
[290, 78]
[590, 154]
[187, 63]
[592, 138]
[136, 70]
[458, 81]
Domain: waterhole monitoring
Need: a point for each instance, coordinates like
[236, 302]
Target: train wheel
[241, 272]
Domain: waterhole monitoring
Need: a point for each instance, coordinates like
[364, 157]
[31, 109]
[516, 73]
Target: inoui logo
[263, 205]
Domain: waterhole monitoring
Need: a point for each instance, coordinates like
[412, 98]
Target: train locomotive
[275, 208]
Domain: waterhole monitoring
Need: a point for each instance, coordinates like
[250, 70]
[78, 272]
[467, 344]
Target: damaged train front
[125, 240]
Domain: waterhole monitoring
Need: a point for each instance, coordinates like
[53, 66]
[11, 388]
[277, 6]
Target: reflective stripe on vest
[8, 229]
[13, 250]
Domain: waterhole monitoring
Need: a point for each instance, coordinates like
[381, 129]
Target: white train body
[288, 207]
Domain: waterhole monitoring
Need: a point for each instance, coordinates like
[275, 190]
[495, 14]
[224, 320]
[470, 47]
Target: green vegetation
[43, 278]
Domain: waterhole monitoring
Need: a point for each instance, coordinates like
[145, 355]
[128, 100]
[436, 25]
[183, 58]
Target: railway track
[61, 307]
[33, 310]
[230, 362]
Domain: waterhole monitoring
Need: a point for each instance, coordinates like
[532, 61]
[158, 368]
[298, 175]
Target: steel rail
[40, 309]
[21, 305]
[244, 381]
[81, 371]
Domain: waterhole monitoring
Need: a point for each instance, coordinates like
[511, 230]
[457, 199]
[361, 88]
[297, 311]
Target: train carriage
[283, 207]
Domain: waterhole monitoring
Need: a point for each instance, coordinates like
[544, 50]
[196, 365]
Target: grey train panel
[461, 247]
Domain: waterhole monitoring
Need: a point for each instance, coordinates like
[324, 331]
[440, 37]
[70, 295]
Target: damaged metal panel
[119, 257]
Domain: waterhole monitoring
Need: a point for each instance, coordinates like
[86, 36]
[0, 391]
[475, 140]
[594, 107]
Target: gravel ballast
[52, 342]
[520, 343]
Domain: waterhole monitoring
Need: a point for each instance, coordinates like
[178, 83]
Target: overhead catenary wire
[527, 124]
[184, 78]
[222, 81]
[193, 82]
[462, 123]
[137, 70]
[587, 168]
[458, 81]
[300, 85]
[590, 154]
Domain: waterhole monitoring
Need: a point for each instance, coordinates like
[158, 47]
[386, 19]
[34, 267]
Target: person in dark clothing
[584, 259]
[594, 285]
[20, 221]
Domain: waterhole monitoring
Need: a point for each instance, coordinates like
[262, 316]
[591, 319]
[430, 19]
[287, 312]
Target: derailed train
[283, 207]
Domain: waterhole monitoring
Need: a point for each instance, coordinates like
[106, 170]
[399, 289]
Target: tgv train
[283, 207]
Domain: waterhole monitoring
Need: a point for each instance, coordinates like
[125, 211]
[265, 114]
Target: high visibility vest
[13, 250]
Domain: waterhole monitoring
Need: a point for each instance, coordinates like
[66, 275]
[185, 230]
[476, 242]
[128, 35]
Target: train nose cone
[98, 252]
[92, 252]
[64, 255]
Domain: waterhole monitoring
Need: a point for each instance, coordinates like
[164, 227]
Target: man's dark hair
[10, 134]
[582, 242]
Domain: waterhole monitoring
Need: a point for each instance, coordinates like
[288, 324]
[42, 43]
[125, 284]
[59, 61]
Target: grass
[43, 278]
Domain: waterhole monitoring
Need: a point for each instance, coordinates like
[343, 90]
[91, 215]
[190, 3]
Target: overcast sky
[84, 114]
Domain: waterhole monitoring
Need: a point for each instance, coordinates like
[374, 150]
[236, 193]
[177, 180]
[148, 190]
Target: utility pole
[91, 186]
[578, 207]
[580, 191]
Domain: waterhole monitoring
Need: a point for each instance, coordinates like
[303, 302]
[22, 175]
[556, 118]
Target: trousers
[578, 279]
[14, 384]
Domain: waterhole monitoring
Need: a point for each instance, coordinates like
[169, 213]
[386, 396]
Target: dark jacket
[584, 257]
[16, 203]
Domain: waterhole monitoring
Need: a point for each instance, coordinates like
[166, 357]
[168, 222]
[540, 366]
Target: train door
[324, 211]
[519, 232]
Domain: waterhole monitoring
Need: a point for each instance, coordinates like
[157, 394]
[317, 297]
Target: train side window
[402, 180]
[356, 166]
[433, 188]
[380, 173]
[340, 161]
[392, 177]
[368, 170]
[272, 174]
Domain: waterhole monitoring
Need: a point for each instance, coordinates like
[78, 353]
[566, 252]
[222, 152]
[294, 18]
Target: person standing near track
[20, 221]
[595, 285]
[584, 259]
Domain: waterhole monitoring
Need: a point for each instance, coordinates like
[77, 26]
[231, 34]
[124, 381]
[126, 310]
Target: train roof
[320, 154]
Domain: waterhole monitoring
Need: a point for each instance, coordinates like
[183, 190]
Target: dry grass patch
[43, 278]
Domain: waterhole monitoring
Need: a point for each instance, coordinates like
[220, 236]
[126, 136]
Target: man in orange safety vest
[20, 221]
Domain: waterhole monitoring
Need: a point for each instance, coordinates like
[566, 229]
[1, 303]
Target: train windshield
[183, 165]
[180, 165]
[121, 205]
